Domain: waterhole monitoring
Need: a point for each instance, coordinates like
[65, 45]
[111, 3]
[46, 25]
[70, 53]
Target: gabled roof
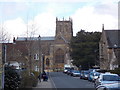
[63, 38]
[113, 38]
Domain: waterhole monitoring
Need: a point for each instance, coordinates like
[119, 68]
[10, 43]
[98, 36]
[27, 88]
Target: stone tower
[64, 30]
[64, 33]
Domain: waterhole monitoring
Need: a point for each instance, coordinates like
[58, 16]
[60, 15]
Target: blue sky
[89, 15]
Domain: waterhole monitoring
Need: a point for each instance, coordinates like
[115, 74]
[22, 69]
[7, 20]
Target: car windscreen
[111, 78]
[67, 68]
[86, 72]
[97, 74]
[75, 71]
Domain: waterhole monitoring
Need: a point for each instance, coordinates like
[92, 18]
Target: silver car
[107, 78]
[75, 73]
[113, 86]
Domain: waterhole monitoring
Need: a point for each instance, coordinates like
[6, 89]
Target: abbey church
[53, 51]
[56, 49]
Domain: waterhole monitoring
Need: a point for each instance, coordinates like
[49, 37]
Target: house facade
[25, 52]
[109, 47]
[47, 52]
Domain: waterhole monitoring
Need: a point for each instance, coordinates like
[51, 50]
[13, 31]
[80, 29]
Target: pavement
[45, 84]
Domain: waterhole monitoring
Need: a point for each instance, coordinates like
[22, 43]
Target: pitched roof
[63, 38]
[34, 38]
[113, 38]
[26, 38]
[47, 38]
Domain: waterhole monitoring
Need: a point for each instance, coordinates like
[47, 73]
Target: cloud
[88, 18]
[15, 27]
[44, 23]
[58, 1]
[109, 8]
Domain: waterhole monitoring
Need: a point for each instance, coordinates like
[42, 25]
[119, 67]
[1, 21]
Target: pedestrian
[44, 76]
[39, 77]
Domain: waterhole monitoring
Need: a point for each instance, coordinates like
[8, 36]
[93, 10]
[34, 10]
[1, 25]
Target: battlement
[64, 20]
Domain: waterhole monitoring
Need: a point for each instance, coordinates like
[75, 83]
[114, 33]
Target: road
[61, 80]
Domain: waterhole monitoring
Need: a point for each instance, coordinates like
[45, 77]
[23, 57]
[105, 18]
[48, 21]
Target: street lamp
[4, 49]
[40, 65]
[43, 57]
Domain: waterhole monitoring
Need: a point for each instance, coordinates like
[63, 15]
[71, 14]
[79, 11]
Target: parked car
[113, 86]
[75, 73]
[90, 76]
[81, 74]
[69, 71]
[14, 64]
[107, 78]
[84, 74]
[66, 67]
[93, 76]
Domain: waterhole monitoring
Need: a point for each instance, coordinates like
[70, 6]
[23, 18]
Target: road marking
[52, 82]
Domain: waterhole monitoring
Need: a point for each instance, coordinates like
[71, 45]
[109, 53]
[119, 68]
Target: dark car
[81, 74]
[69, 71]
[85, 74]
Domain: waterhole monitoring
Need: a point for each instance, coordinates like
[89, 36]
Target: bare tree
[4, 35]
[30, 42]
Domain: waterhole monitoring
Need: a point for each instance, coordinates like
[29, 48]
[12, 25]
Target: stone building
[56, 49]
[25, 51]
[53, 51]
[109, 47]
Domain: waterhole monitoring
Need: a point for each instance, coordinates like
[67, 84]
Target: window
[47, 62]
[36, 68]
[59, 56]
[111, 78]
[36, 57]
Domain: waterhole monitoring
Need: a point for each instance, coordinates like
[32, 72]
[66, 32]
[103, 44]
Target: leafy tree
[85, 49]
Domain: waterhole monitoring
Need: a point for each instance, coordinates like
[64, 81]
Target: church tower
[64, 30]
[64, 33]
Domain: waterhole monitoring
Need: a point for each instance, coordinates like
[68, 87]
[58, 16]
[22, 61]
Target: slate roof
[34, 38]
[47, 38]
[113, 38]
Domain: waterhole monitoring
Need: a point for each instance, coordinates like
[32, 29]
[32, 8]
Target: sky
[20, 16]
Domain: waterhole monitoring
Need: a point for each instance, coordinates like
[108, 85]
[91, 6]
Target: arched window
[47, 62]
[59, 56]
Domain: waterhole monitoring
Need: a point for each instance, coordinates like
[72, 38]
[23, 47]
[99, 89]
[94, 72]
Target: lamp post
[43, 57]
[40, 65]
[4, 49]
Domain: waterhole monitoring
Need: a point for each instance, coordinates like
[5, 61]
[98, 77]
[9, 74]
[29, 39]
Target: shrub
[29, 80]
[36, 73]
[12, 79]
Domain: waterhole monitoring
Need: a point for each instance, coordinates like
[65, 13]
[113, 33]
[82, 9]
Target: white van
[15, 64]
